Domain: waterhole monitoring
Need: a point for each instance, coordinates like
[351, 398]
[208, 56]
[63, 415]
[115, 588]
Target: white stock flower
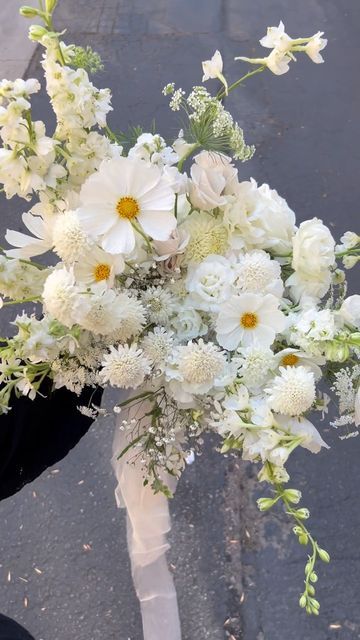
[249, 318]
[258, 218]
[30, 246]
[125, 367]
[255, 272]
[350, 311]
[293, 391]
[303, 428]
[212, 178]
[61, 297]
[313, 257]
[69, 238]
[96, 266]
[123, 193]
[209, 283]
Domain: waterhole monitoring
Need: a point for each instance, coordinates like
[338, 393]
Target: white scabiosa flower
[255, 272]
[207, 236]
[249, 318]
[157, 345]
[69, 238]
[102, 312]
[159, 304]
[125, 367]
[98, 266]
[293, 391]
[123, 194]
[256, 363]
[131, 318]
[62, 298]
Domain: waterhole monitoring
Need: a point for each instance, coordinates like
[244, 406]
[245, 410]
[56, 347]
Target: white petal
[96, 221]
[157, 224]
[120, 238]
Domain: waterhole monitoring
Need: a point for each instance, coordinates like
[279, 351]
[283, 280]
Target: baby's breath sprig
[291, 497]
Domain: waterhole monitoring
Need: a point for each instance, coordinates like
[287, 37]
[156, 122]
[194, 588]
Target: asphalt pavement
[64, 571]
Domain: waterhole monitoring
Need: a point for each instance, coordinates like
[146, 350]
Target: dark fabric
[36, 434]
[11, 630]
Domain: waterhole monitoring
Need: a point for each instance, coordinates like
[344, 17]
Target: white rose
[260, 219]
[313, 256]
[350, 311]
[209, 283]
[212, 178]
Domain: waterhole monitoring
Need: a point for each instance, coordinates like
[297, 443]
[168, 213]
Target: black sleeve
[36, 434]
[11, 630]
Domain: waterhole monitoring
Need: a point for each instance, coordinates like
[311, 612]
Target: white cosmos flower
[311, 438]
[123, 193]
[295, 357]
[249, 318]
[293, 391]
[125, 367]
[98, 266]
[255, 272]
[40, 242]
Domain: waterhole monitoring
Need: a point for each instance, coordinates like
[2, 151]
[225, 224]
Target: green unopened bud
[302, 601]
[355, 338]
[28, 12]
[323, 555]
[338, 276]
[297, 530]
[311, 590]
[36, 32]
[50, 5]
[303, 539]
[315, 605]
[337, 352]
[265, 503]
[303, 513]
[293, 495]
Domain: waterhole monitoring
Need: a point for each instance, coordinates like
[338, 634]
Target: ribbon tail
[148, 522]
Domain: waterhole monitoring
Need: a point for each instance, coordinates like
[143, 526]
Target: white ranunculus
[209, 283]
[313, 257]
[350, 311]
[213, 177]
[259, 218]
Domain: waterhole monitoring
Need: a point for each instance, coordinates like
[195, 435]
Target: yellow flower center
[101, 272]
[290, 360]
[127, 207]
[249, 320]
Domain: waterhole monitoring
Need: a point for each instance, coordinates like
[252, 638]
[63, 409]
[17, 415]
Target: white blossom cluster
[196, 289]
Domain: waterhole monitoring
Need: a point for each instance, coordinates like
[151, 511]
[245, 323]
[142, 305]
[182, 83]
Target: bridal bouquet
[172, 278]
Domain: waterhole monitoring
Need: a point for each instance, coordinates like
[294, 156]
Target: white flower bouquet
[193, 290]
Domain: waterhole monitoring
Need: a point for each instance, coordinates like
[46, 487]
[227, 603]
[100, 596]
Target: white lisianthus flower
[209, 283]
[98, 266]
[194, 369]
[207, 236]
[188, 323]
[349, 311]
[249, 318]
[311, 438]
[69, 238]
[258, 218]
[30, 246]
[255, 272]
[123, 194]
[293, 391]
[62, 298]
[295, 357]
[213, 177]
[214, 69]
[125, 367]
[313, 257]
[314, 46]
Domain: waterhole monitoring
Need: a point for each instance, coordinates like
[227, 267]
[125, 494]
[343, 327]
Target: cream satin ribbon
[148, 522]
